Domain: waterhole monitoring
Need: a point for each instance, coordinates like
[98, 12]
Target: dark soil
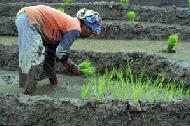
[61, 105]
[152, 23]
[41, 110]
[67, 109]
[177, 69]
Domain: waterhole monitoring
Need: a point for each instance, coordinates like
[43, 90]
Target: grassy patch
[131, 16]
[127, 85]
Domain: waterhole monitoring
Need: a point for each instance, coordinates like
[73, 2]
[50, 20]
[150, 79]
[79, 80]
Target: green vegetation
[84, 91]
[131, 16]
[87, 68]
[67, 1]
[172, 41]
[189, 2]
[127, 85]
[124, 1]
[61, 9]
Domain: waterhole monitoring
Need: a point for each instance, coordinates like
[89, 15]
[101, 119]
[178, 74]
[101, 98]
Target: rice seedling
[117, 90]
[61, 9]
[84, 91]
[109, 77]
[137, 91]
[131, 16]
[188, 92]
[129, 74]
[180, 89]
[132, 86]
[172, 41]
[67, 1]
[87, 68]
[170, 91]
[102, 86]
[126, 93]
[189, 3]
[124, 1]
[93, 89]
[121, 79]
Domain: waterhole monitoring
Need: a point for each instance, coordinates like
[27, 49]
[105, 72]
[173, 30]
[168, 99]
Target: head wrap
[91, 19]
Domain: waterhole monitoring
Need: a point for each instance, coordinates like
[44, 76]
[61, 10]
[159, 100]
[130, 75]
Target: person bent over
[44, 37]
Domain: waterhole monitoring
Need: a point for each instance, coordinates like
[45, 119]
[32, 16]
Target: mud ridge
[41, 110]
[116, 30]
[153, 23]
[154, 64]
[113, 11]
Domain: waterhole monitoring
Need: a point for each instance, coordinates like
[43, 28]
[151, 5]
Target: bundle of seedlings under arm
[61, 9]
[172, 41]
[124, 1]
[87, 68]
[131, 16]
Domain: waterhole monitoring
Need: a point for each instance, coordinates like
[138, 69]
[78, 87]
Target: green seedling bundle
[172, 41]
[67, 1]
[131, 16]
[124, 1]
[128, 85]
[87, 68]
[61, 9]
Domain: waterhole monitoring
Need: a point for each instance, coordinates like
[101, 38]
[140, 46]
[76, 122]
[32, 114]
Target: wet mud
[155, 64]
[56, 106]
[61, 105]
[68, 86]
[42, 110]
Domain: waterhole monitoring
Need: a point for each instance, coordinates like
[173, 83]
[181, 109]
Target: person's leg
[37, 60]
[49, 65]
[21, 25]
[31, 52]
[22, 79]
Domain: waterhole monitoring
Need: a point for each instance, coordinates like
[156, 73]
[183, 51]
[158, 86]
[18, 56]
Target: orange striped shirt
[53, 23]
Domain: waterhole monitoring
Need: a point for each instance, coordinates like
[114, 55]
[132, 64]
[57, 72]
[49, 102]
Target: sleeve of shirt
[64, 46]
[68, 39]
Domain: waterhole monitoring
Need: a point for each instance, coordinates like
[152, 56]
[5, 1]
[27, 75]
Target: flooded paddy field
[114, 46]
[153, 91]
[59, 105]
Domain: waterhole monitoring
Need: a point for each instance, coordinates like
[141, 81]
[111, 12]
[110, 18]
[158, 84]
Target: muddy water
[68, 86]
[71, 86]
[155, 47]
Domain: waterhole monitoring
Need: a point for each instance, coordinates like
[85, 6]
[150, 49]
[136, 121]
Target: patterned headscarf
[91, 19]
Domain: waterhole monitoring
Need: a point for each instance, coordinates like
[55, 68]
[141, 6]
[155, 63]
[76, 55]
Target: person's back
[52, 22]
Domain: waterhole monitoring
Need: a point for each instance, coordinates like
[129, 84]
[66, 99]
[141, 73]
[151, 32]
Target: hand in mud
[72, 68]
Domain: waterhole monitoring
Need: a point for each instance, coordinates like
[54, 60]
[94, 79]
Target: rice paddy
[120, 85]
